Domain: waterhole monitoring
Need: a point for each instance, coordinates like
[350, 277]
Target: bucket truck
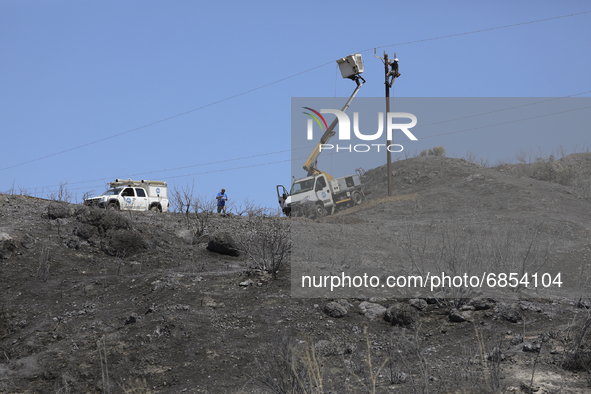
[319, 194]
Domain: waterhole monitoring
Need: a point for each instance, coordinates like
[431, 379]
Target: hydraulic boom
[312, 162]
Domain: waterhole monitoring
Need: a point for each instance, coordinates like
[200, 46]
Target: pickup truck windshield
[112, 192]
[302, 186]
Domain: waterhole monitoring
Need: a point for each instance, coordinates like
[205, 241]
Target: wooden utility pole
[394, 74]
[388, 142]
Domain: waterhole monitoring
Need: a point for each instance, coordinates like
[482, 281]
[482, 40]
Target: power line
[281, 80]
[211, 171]
[184, 167]
[481, 30]
[508, 122]
[501, 110]
[179, 168]
[163, 120]
[432, 136]
[309, 147]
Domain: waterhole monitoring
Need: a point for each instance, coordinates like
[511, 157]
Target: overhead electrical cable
[506, 123]
[308, 147]
[281, 80]
[480, 30]
[501, 110]
[219, 170]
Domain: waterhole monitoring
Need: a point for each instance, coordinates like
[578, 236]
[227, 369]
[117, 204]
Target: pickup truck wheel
[112, 207]
[356, 197]
[154, 208]
[320, 211]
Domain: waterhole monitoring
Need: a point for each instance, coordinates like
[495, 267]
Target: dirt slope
[484, 212]
[93, 301]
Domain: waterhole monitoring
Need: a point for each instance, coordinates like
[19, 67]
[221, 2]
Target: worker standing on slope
[222, 198]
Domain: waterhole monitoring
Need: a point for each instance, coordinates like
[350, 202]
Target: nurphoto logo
[345, 129]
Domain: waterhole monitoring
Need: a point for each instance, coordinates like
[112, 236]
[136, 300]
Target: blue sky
[160, 79]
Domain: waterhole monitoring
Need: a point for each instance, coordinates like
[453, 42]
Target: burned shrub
[578, 355]
[124, 243]
[552, 171]
[7, 247]
[400, 315]
[57, 210]
[222, 242]
[85, 231]
[435, 151]
[104, 220]
[267, 243]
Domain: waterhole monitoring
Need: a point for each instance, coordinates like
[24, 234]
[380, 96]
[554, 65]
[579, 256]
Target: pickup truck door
[282, 195]
[127, 201]
[141, 202]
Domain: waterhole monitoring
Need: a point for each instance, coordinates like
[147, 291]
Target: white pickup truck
[316, 197]
[133, 196]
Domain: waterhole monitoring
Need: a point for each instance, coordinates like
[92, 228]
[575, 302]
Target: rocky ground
[116, 302]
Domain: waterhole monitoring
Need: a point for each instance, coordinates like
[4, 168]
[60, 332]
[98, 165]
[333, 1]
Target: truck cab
[315, 196]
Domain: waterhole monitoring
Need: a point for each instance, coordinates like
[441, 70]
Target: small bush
[267, 244]
[104, 220]
[222, 242]
[204, 209]
[551, 171]
[282, 372]
[438, 151]
[56, 210]
[578, 355]
[85, 231]
[7, 247]
[124, 243]
[250, 208]
[400, 315]
[435, 151]
[61, 194]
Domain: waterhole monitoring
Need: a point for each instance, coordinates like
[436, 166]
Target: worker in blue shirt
[222, 197]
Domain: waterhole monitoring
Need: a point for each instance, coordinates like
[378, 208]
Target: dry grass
[136, 386]
[374, 203]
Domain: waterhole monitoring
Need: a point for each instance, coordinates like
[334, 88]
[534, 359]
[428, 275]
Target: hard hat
[396, 59]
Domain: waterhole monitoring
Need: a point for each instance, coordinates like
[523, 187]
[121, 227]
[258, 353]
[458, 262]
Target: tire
[356, 197]
[319, 211]
[112, 207]
[154, 208]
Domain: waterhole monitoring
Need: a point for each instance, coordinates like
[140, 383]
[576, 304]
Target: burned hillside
[98, 301]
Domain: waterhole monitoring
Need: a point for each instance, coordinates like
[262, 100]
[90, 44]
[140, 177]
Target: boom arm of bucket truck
[351, 67]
